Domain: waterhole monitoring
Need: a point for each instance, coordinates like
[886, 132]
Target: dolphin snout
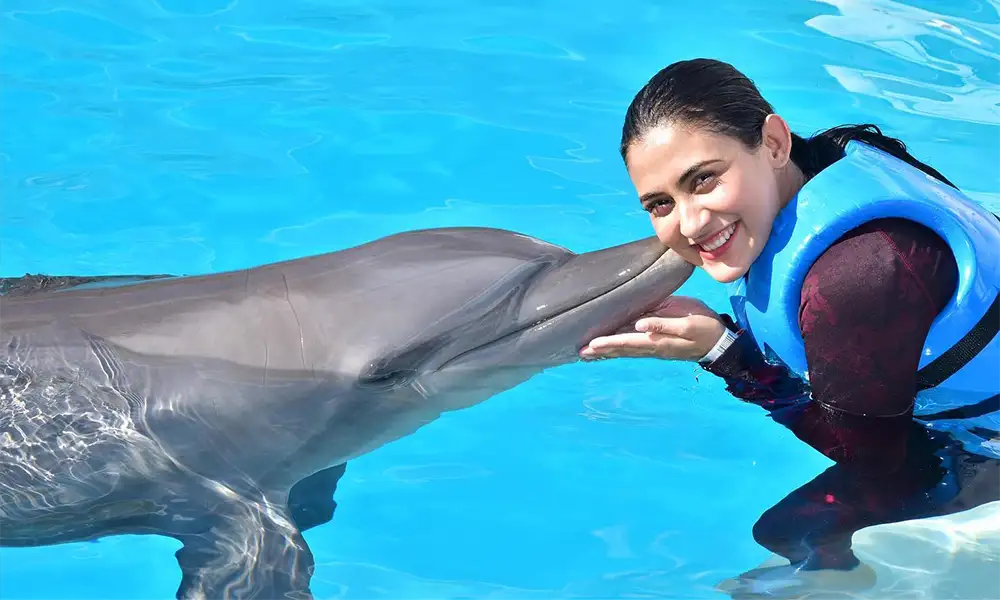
[584, 277]
[595, 294]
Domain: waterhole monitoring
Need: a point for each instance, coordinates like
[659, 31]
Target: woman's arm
[751, 378]
[866, 307]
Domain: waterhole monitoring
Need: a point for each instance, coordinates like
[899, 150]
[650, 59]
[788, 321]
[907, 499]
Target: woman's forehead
[668, 151]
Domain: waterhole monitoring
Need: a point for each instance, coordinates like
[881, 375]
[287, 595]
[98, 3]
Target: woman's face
[709, 198]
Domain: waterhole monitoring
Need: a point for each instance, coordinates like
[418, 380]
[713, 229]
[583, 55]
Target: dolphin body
[221, 409]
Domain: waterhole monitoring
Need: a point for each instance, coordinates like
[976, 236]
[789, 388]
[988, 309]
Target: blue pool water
[190, 136]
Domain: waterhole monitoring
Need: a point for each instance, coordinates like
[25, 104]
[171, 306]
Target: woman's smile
[715, 245]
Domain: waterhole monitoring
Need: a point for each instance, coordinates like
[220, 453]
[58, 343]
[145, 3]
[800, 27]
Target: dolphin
[221, 409]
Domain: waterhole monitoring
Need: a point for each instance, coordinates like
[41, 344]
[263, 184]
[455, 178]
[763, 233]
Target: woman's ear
[776, 141]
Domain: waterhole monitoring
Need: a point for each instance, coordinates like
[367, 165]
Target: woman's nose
[692, 219]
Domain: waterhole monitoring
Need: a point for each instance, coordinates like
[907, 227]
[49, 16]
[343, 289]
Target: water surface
[187, 136]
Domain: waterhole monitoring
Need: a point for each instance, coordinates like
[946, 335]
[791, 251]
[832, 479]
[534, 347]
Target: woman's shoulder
[886, 261]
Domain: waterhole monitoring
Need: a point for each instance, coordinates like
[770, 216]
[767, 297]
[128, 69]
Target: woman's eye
[660, 208]
[703, 180]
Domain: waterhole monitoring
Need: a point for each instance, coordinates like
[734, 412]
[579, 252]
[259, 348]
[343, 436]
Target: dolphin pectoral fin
[311, 503]
[248, 554]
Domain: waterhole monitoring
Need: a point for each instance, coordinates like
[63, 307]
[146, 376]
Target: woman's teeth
[720, 238]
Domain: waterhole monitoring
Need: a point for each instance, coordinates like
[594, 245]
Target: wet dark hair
[714, 95]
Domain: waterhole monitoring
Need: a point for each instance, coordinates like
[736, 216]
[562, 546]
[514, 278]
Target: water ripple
[963, 92]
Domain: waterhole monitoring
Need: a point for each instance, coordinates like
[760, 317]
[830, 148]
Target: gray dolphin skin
[221, 409]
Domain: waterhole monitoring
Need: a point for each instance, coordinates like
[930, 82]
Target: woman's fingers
[635, 345]
[621, 341]
[682, 306]
[676, 327]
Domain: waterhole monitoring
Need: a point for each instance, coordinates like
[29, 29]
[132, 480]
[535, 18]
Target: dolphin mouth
[588, 278]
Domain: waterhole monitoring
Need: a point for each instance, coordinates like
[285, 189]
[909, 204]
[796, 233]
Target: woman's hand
[681, 328]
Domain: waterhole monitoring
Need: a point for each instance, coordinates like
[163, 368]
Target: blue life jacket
[959, 370]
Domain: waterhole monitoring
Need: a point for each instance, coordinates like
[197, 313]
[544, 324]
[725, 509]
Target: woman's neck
[790, 181]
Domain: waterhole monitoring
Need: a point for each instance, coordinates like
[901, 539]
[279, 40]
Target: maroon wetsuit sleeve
[867, 305]
[752, 378]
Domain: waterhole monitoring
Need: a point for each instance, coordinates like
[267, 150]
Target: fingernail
[641, 325]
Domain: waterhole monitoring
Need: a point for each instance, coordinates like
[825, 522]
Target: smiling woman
[863, 284]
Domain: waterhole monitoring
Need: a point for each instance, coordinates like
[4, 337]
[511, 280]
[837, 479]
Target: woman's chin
[724, 273]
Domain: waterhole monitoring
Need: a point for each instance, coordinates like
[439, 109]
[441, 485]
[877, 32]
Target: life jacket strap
[956, 357]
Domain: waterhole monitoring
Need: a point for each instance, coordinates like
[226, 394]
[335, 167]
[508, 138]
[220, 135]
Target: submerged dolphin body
[221, 409]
